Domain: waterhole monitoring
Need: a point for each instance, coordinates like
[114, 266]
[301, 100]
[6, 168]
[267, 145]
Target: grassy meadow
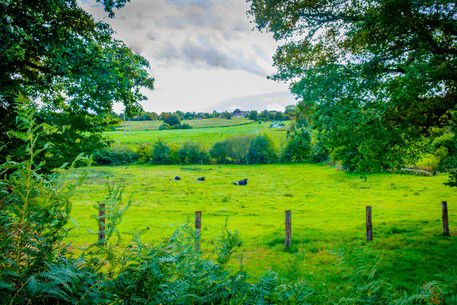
[206, 132]
[328, 217]
[328, 211]
[203, 123]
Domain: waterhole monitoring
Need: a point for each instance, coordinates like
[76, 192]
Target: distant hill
[270, 101]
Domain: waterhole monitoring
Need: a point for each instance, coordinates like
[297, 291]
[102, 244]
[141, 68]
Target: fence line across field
[287, 225]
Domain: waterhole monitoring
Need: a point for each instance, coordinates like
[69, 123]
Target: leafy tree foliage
[290, 111]
[161, 153]
[265, 115]
[191, 153]
[56, 53]
[219, 152]
[253, 115]
[261, 150]
[298, 146]
[172, 120]
[374, 76]
[279, 116]
[226, 115]
[116, 155]
[237, 149]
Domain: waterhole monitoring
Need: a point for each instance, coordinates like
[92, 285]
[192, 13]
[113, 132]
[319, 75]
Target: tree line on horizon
[265, 115]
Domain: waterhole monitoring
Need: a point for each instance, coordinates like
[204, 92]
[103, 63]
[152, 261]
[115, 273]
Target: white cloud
[205, 53]
[191, 44]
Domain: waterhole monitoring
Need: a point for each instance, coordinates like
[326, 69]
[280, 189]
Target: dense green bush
[445, 147]
[191, 153]
[231, 150]
[279, 116]
[116, 155]
[261, 150]
[253, 115]
[298, 146]
[319, 152]
[219, 152]
[172, 120]
[237, 149]
[161, 153]
[144, 152]
[166, 126]
[184, 126]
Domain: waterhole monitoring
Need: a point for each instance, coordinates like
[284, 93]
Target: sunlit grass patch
[328, 214]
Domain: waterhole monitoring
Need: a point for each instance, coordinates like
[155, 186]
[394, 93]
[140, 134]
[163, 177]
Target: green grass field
[204, 123]
[205, 132]
[328, 217]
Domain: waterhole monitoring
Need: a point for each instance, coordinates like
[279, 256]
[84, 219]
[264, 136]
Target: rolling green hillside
[205, 132]
[204, 123]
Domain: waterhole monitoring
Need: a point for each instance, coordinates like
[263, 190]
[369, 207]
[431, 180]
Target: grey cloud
[193, 16]
[136, 47]
[151, 36]
[262, 53]
[205, 53]
[237, 30]
[168, 53]
[196, 33]
[200, 3]
[239, 27]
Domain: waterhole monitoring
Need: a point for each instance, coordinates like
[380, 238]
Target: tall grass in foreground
[36, 267]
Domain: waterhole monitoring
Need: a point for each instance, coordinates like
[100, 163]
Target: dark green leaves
[57, 54]
[374, 76]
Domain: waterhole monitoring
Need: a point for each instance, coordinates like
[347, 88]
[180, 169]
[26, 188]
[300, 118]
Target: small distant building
[276, 125]
[240, 113]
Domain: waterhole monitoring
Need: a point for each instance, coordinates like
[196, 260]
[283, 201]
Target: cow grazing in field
[177, 178]
[241, 182]
[201, 179]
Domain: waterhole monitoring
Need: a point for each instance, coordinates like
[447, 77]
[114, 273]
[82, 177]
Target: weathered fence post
[369, 224]
[445, 218]
[288, 223]
[101, 224]
[198, 229]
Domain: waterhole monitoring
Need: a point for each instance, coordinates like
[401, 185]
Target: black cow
[176, 178]
[241, 182]
[201, 179]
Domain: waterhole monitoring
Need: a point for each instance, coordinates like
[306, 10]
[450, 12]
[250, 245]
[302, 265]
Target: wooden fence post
[288, 223]
[101, 224]
[369, 224]
[198, 229]
[445, 218]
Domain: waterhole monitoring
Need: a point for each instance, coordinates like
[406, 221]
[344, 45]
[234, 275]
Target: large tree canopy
[55, 53]
[374, 76]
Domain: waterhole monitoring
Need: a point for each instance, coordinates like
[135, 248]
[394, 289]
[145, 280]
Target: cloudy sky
[201, 51]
